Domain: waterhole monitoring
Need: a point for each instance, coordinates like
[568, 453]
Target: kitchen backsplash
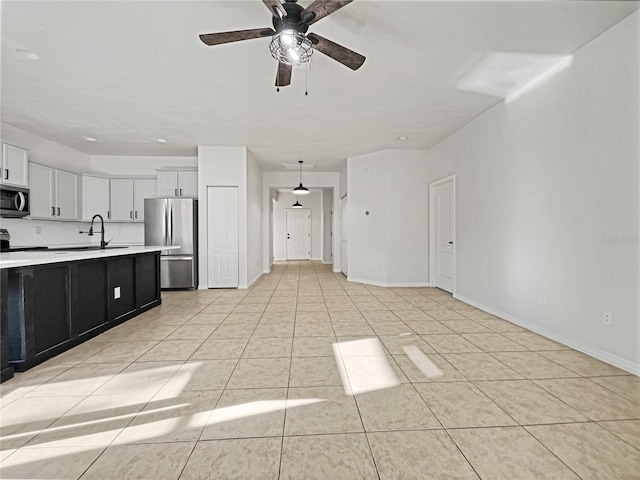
[25, 232]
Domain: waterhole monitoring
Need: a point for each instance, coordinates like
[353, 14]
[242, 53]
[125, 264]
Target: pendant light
[300, 189]
[297, 204]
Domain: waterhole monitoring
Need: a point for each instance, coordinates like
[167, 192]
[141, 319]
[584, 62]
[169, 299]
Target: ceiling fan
[290, 43]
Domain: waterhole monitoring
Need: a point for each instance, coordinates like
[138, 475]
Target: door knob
[450, 243]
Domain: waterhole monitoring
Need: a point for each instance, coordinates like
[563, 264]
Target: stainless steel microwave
[14, 201]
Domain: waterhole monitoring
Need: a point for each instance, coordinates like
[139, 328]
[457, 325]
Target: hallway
[306, 375]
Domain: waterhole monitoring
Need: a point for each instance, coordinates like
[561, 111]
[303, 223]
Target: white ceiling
[129, 72]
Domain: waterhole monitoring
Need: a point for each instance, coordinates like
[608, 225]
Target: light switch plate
[116, 292]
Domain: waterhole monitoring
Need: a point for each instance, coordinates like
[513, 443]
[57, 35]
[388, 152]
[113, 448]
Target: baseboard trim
[388, 285]
[255, 279]
[606, 357]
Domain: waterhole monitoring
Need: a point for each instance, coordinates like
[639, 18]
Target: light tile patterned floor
[307, 376]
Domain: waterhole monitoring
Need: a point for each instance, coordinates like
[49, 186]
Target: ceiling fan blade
[339, 53]
[275, 7]
[322, 8]
[283, 77]
[236, 36]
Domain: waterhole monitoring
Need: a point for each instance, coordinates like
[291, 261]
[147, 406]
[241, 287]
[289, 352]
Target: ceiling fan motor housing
[293, 20]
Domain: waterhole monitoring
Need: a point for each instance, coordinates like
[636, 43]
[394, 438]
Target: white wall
[327, 222]
[222, 167]
[254, 220]
[45, 151]
[126, 165]
[313, 202]
[277, 180]
[389, 246]
[548, 202]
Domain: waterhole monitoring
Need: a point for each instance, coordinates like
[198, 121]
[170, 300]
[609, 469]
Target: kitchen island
[53, 300]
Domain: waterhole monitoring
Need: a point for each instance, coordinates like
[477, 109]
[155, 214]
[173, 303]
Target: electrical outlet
[607, 319]
[116, 292]
[38, 230]
[542, 299]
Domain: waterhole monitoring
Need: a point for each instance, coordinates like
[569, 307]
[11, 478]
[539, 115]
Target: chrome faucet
[103, 244]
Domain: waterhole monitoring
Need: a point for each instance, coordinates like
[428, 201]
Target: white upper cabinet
[167, 184]
[178, 183]
[53, 193]
[66, 194]
[41, 191]
[121, 199]
[116, 199]
[14, 165]
[95, 197]
[143, 188]
[188, 183]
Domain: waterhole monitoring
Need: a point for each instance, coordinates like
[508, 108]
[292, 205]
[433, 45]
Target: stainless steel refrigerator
[174, 222]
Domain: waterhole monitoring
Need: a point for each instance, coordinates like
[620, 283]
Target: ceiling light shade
[291, 47]
[297, 204]
[300, 189]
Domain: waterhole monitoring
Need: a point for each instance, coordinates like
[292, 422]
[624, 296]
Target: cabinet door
[66, 195]
[188, 184]
[143, 188]
[167, 184]
[41, 191]
[121, 281]
[15, 165]
[50, 308]
[121, 200]
[95, 197]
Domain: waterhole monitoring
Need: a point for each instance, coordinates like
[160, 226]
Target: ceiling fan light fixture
[291, 47]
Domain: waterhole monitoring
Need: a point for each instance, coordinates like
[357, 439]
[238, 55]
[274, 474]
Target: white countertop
[43, 257]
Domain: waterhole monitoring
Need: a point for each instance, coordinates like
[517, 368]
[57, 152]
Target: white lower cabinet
[53, 193]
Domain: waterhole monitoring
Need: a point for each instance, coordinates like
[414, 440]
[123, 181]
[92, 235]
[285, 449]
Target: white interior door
[442, 226]
[345, 243]
[298, 225]
[222, 227]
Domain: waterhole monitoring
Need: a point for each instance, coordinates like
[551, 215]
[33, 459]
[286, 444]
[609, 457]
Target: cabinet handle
[136, 214]
[58, 211]
[109, 214]
[180, 192]
[53, 211]
[6, 174]
[176, 192]
[130, 213]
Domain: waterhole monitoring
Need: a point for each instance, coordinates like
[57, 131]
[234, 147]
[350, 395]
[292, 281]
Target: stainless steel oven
[14, 201]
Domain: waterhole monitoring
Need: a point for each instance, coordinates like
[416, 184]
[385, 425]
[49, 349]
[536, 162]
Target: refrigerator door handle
[170, 225]
[164, 226]
[171, 258]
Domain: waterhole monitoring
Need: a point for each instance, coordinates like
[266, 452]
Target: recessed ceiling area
[130, 74]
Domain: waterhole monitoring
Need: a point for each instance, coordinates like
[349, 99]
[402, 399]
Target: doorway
[298, 229]
[222, 229]
[442, 258]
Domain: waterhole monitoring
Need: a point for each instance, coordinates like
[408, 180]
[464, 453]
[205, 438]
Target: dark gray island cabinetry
[52, 307]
